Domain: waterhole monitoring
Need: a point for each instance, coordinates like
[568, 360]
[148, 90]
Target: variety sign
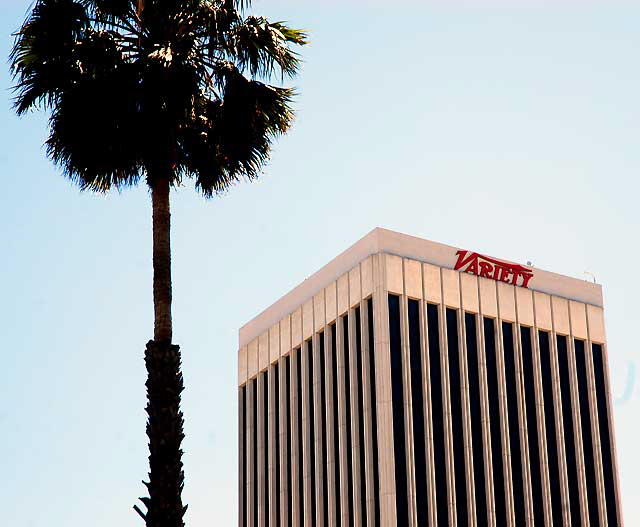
[484, 267]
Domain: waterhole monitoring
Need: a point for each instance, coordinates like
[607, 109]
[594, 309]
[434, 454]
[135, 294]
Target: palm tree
[158, 90]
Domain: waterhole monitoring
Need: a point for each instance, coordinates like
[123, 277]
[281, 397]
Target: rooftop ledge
[381, 240]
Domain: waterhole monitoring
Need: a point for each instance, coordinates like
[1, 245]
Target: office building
[409, 383]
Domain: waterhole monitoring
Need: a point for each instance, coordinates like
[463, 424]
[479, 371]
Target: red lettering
[462, 261]
[485, 270]
[525, 279]
[485, 267]
[473, 267]
[504, 274]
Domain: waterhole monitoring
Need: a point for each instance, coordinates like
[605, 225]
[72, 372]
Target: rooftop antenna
[593, 277]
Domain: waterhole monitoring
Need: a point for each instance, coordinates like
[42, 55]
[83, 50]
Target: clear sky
[511, 131]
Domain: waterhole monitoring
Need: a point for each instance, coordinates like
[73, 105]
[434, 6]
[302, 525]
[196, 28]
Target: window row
[505, 425]
[308, 432]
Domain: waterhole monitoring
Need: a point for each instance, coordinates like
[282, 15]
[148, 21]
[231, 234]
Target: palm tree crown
[155, 89]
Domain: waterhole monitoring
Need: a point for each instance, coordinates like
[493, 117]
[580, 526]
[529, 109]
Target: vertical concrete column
[273, 429]
[316, 441]
[486, 307]
[541, 321]
[467, 300]
[306, 435]
[383, 387]
[298, 418]
[296, 454]
[342, 292]
[268, 443]
[396, 264]
[413, 289]
[252, 467]
[432, 289]
[330, 430]
[428, 409]
[285, 417]
[501, 310]
[263, 479]
[331, 306]
[366, 287]
[263, 423]
[251, 461]
[241, 467]
[577, 421]
[366, 417]
[560, 326]
[242, 379]
[408, 413]
[272, 433]
[318, 319]
[450, 298]
[282, 431]
[353, 382]
[595, 426]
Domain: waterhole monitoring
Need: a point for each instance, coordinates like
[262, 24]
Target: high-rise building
[409, 383]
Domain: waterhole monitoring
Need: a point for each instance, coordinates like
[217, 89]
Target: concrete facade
[412, 383]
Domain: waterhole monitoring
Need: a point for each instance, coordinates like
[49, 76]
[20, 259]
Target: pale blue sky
[513, 132]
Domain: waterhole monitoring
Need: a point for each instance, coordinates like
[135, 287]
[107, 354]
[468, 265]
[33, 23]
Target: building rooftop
[381, 240]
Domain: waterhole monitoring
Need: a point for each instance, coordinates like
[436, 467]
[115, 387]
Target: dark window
[417, 403]
[359, 379]
[471, 338]
[347, 405]
[336, 421]
[550, 425]
[242, 455]
[276, 424]
[510, 366]
[493, 383]
[605, 434]
[457, 418]
[433, 331]
[265, 449]
[254, 440]
[397, 405]
[287, 420]
[374, 415]
[300, 437]
[312, 434]
[323, 419]
[529, 377]
[587, 439]
[567, 420]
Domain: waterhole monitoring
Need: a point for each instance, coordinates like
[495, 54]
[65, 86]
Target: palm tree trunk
[162, 331]
[164, 384]
[164, 429]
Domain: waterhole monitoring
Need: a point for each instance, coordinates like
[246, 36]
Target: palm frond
[231, 139]
[215, 20]
[261, 47]
[110, 11]
[42, 58]
[238, 5]
[94, 131]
